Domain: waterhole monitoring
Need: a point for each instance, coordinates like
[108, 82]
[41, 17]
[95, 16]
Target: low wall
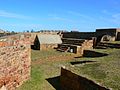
[72, 81]
[15, 60]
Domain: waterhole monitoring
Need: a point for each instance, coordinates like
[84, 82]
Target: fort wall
[15, 60]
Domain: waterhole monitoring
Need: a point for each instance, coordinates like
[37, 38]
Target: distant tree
[7, 31]
[32, 31]
[12, 32]
[41, 30]
[27, 31]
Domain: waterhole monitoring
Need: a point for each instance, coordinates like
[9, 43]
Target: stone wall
[48, 46]
[78, 35]
[76, 46]
[87, 44]
[72, 81]
[15, 60]
[101, 32]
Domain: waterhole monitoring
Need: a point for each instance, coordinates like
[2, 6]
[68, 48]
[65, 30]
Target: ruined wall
[87, 44]
[101, 32]
[72, 81]
[48, 46]
[15, 60]
[118, 34]
[76, 46]
[78, 35]
[72, 41]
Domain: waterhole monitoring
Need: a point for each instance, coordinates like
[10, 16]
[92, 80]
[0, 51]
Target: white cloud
[13, 15]
[106, 12]
[86, 17]
[113, 17]
[59, 18]
[116, 16]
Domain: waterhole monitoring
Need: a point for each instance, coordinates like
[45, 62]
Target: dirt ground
[53, 59]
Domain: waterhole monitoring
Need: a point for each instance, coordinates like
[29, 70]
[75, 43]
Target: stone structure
[100, 35]
[75, 45]
[47, 41]
[75, 42]
[113, 33]
[15, 60]
[72, 81]
[78, 35]
[4, 33]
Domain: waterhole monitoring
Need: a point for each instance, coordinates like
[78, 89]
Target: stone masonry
[15, 60]
[76, 46]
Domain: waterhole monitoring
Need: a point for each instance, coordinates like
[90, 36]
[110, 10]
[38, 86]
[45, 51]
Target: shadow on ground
[55, 82]
[93, 54]
[81, 62]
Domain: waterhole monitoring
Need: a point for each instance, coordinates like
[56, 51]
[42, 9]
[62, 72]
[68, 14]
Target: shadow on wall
[72, 81]
[93, 54]
[35, 47]
[82, 62]
[55, 82]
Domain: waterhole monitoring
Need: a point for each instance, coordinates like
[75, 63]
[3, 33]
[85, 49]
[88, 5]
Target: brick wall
[72, 81]
[15, 60]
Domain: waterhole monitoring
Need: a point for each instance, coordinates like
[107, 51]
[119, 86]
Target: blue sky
[82, 15]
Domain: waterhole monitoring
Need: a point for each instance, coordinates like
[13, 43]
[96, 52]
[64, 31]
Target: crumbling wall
[72, 81]
[87, 44]
[15, 60]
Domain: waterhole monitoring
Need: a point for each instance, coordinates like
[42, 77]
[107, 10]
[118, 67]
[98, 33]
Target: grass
[106, 70]
[36, 80]
[42, 71]
[114, 42]
[37, 54]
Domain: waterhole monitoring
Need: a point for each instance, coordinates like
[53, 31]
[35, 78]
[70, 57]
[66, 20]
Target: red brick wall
[14, 61]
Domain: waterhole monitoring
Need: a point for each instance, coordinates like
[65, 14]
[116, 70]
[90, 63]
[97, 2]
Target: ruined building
[112, 34]
[46, 41]
[76, 42]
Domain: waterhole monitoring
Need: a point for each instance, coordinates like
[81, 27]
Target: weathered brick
[14, 61]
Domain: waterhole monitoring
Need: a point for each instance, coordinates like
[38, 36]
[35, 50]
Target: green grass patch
[37, 54]
[36, 80]
[106, 70]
